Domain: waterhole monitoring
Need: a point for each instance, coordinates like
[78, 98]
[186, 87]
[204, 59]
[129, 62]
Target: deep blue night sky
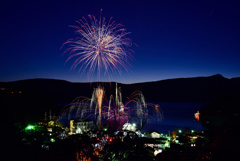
[174, 38]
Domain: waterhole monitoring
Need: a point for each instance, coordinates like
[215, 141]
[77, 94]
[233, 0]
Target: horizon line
[117, 81]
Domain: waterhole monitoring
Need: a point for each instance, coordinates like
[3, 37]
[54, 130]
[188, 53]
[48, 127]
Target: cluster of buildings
[51, 129]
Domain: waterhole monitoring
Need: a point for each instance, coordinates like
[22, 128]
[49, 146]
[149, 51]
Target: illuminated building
[129, 127]
[155, 134]
[79, 126]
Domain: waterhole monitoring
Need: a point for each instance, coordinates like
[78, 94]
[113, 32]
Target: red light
[110, 140]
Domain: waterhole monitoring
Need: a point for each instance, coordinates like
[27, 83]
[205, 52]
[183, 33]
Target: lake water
[176, 115]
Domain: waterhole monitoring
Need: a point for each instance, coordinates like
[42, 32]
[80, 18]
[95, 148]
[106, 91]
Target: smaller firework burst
[113, 112]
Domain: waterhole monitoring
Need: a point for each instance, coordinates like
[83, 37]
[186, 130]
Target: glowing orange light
[197, 115]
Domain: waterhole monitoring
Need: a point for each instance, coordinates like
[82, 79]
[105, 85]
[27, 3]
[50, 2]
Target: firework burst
[100, 47]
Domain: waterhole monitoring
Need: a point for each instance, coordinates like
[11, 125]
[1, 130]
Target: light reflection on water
[82, 156]
[87, 154]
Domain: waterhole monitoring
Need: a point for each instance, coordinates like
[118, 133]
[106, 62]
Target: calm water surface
[176, 115]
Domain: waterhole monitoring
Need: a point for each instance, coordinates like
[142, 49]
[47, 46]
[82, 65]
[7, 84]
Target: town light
[30, 127]
[157, 151]
[52, 140]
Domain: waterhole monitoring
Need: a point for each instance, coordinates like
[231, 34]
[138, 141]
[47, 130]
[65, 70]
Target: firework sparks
[112, 112]
[100, 47]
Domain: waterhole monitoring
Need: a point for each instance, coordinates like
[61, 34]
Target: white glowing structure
[79, 131]
[155, 135]
[157, 151]
[129, 127]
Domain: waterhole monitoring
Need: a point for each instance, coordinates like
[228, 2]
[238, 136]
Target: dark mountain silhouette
[191, 89]
[180, 89]
[48, 94]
